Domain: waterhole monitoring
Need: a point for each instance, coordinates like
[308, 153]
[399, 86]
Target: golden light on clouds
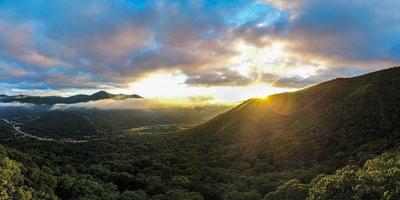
[250, 61]
[162, 84]
[256, 59]
[271, 59]
[171, 87]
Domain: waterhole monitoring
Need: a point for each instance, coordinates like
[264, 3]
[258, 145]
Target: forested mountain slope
[326, 122]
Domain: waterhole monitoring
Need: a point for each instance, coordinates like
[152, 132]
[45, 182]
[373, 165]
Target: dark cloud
[226, 77]
[232, 78]
[223, 77]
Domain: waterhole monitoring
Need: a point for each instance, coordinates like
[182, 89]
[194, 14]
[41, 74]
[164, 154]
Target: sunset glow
[221, 51]
[172, 87]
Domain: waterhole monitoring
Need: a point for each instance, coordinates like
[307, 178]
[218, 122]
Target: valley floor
[20, 133]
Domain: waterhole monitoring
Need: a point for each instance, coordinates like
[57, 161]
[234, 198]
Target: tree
[180, 181]
[84, 188]
[291, 190]
[183, 195]
[155, 185]
[11, 181]
[378, 179]
[236, 195]
[133, 195]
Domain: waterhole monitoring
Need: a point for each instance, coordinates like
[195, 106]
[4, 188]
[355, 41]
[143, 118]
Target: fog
[146, 104]
[16, 104]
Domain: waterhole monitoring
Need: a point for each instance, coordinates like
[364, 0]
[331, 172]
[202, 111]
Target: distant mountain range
[52, 100]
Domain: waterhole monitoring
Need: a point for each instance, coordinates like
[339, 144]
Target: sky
[196, 50]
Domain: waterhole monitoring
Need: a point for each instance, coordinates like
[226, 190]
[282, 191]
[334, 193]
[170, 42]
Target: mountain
[51, 100]
[324, 123]
[334, 140]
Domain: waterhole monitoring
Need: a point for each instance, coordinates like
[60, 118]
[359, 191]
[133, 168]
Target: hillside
[52, 100]
[326, 122]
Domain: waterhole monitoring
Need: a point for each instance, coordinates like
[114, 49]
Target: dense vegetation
[169, 167]
[336, 140]
[5, 130]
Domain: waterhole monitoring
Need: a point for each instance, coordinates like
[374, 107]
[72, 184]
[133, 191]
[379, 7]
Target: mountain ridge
[52, 100]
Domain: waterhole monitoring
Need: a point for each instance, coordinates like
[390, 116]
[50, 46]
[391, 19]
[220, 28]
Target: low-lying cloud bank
[16, 104]
[141, 104]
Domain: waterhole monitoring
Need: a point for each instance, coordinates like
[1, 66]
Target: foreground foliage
[156, 167]
[377, 179]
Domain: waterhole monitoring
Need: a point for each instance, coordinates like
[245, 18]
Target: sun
[250, 61]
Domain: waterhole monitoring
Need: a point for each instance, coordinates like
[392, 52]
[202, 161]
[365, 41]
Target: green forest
[336, 140]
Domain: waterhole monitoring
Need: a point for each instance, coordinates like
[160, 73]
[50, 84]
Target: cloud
[115, 41]
[286, 4]
[16, 41]
[36, 59]
[142, 104]
[16, 104]
[223, 77]
[234, 79]
[109, 44]
[354, 33]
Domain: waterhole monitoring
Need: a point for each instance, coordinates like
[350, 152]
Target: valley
[142, 130]
[302, 145]
[18, 132]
